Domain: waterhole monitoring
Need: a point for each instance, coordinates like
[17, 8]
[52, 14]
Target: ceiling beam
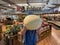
[8, 1]
[6, 6]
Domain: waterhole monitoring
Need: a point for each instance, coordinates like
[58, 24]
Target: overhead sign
[30, 12]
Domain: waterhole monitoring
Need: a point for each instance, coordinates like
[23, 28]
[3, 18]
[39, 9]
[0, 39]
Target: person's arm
[22, 32]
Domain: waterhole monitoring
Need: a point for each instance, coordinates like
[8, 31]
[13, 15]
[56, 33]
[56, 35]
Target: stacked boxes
[44, 32]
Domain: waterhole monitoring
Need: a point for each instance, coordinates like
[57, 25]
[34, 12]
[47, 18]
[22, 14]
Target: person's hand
[24, 28]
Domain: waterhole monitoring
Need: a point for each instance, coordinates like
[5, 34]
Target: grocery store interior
[13, 13]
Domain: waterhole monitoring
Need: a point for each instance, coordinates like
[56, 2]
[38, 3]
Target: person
[30, 36]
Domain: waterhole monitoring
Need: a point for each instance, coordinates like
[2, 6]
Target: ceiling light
[9, 5]
[59, 9]
[37, 4]
[22, 4]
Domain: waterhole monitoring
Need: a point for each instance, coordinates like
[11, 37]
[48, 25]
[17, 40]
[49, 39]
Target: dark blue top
[30, 37]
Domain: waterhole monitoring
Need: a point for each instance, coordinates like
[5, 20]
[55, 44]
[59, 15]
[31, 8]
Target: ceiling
[29, 1]
[46, 3]
[24, 1]
[15, 2]
[18, 1]
[2, 2]
[32, 1]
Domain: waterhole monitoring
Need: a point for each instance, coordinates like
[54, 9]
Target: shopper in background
[30, 36]
[32, 24]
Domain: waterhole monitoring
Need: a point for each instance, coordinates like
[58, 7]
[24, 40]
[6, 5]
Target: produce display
[12, 29]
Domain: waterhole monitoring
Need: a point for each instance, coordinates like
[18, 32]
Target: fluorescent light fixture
[9, 5]
[38, 4]
[51, 5]
[46, 8]
[22, 4]
[33, 4]
[17, 12]
[59, 9]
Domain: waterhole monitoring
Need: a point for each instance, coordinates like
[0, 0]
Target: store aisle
[56, 34]
[53, 39]
[48, 41]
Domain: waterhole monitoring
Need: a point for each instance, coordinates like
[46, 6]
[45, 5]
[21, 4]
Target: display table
[0, 32]
[44, 32]
[11, 40]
